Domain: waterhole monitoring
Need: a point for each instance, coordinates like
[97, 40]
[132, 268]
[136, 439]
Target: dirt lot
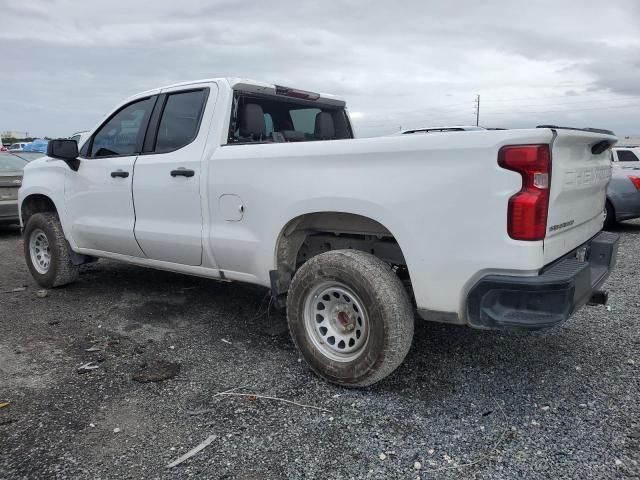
[561, 403]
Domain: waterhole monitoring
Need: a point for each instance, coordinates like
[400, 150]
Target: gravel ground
[561, 403]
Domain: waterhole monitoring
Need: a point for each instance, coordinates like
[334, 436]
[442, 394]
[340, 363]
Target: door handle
[120, 174]
[182, 172]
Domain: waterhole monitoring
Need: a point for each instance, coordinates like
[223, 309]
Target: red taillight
[295, 93]
[635, 181]
[527, 214]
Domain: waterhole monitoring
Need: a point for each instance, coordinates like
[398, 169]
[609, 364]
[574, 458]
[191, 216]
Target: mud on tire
[46, 251]
[337, 294]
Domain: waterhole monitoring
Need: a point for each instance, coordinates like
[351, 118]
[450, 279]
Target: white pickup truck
[238, 180]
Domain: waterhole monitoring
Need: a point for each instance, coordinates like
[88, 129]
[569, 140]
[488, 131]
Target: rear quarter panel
[443, 197]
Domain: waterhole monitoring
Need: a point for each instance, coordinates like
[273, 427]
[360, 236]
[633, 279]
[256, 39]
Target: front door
[98, 197]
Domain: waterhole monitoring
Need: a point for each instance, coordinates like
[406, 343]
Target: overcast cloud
[401, 63]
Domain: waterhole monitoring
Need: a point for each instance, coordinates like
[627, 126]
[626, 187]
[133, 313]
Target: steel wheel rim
[40, 251]
[336, 321]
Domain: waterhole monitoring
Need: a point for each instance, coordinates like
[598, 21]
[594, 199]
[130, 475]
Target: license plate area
[8, 193]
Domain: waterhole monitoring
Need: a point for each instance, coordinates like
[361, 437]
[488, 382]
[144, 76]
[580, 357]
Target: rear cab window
[264, 118]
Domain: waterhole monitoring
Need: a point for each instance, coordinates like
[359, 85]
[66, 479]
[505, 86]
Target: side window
[119, 136]
[304, 119]
[627, 156]
[180, 120]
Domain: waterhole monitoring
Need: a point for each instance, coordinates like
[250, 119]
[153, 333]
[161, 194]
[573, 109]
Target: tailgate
[579, 179]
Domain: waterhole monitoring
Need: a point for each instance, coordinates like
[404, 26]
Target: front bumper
[547, 299]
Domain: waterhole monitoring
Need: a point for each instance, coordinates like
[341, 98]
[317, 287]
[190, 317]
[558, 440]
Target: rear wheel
[350, 317]
[609, 215]
[46, 251]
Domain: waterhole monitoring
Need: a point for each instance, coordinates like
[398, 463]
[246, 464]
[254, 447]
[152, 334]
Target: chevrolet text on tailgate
[238, 180]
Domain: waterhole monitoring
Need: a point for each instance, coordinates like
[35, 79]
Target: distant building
[628, 140]
[14, 134]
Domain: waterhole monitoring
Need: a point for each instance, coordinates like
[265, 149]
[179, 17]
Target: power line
[603, 107]
[440, 114]
[443, 119]
[582, 98]
[577, 95]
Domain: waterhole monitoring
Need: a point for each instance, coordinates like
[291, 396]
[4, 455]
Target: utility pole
[477, 110]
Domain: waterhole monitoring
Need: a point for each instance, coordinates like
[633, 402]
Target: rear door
[168, 175]
[579, 179]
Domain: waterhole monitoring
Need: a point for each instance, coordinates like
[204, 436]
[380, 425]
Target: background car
[625, 157]
[11, 167]
[623, 196]
[17, 147]
[39, 145]
[80, 137]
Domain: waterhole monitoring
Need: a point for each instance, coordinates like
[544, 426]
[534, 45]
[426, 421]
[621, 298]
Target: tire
[44, 239]
[353, 292]
[610, 217]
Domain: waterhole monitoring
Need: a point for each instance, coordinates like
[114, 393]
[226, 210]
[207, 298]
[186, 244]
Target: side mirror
[65, 150]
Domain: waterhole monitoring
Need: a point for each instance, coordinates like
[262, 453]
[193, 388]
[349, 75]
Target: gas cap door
[231, 207]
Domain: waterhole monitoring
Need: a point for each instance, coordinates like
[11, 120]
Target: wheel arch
[350, 230]
[36, 203]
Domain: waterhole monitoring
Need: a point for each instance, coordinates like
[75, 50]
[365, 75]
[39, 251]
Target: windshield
[11, 163]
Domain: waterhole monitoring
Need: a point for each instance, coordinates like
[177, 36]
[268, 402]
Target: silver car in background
[80, 137]
[11, 167]
[623, 195]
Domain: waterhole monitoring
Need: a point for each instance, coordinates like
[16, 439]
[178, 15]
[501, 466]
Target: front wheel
[350, 317]
[46, 251]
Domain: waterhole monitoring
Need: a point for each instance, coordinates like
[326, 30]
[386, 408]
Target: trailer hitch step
[598, 297]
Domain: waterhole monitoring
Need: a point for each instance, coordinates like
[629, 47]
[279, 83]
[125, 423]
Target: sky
[403, 64]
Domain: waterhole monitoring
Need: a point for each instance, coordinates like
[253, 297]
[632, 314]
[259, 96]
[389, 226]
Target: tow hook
[598, 297]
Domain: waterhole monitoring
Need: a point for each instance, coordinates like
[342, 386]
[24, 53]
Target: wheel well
[309, 235]
[36, 203]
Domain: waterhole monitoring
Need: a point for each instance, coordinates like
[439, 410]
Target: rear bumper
[547, 299]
